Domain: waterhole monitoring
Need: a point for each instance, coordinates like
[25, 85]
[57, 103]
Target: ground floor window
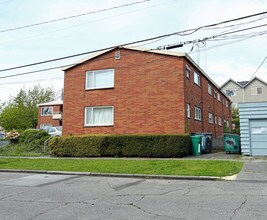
[45, 126]
[197, 113]
[99, 116]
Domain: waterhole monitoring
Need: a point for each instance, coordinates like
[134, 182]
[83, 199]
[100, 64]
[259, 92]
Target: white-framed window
[188, 111]
[226, 103]
[230, 92]
[45, 126]
[187, 71]
[220, 121]
[215, 119]
[215, 94]
[211, 118]
[47, 111]
[196, 78]
[99, 79]
[197, 113]
[99, 116]
[227, 124]
[219, 97]
[210, 89]
[223, 101]
[256, 90]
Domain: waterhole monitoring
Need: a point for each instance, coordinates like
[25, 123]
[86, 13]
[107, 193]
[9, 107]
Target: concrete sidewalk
[253, 171]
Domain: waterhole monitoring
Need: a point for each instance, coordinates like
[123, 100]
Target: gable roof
[230, 80]
[243, 84]
[162, 52]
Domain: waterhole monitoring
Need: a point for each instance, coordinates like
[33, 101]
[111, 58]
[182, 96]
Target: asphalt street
[48, 196]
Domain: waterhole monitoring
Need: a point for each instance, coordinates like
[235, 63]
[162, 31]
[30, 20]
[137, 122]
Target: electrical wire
[78, 25]
[72, 16]
[181, 33]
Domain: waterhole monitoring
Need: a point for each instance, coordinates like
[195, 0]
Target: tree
[235, 120]
[21, 112]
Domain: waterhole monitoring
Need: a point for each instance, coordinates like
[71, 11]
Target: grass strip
[156, 167]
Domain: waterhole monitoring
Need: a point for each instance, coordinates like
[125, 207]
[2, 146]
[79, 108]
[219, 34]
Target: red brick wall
[49, 119]
[147, 94]
[198, 96]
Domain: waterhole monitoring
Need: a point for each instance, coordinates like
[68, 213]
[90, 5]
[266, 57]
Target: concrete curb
[142, 176]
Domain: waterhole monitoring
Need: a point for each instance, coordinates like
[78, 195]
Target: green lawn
[158, 167]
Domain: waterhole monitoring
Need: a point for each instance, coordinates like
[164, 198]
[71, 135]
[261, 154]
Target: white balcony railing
[57, 116]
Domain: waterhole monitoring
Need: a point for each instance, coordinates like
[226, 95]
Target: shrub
[33, 140]
[121, 145]
[13, 136]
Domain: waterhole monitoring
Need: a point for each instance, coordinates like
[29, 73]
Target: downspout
[243, 89]
[202, 111]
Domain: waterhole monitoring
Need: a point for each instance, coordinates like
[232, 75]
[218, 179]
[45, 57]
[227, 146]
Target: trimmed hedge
[121, 145]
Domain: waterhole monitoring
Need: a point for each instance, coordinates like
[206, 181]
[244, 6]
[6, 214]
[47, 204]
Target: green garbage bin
[196, 145]
[231, 143]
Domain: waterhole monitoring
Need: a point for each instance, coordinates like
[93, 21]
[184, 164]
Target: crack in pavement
[151, 213]
[44, 212]
[239, 207]
[14, 194]
[190, 188]
[123, 186]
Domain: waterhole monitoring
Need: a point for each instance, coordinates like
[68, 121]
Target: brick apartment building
[137, 91]
[50, 114]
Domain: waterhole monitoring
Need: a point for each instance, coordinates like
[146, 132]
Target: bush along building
[138, 91]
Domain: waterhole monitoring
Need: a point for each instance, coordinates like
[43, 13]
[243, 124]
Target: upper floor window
[230, 92]
[215, 119]
[219, 97]
[187, 71]
[209, 89]
[46, 111]
[188, 110]
[197, 113]
[99, 79]
[215, 94]
[256, 90]
[211, 118]
[220, 121]
[196, 79]
[226, 103]
[99, 116]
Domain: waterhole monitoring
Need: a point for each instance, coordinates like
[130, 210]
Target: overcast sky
[221, 59]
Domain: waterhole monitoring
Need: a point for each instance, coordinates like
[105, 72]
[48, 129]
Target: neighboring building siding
[49, 119]
[243, 94]
[255, 98]
[247, 112]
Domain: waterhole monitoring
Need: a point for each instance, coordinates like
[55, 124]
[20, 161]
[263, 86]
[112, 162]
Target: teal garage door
[258, 137]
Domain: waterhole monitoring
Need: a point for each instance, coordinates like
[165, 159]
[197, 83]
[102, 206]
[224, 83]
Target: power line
[73, 16]
[258, 68]
[78, 25]
[181, 33]
[180, 44]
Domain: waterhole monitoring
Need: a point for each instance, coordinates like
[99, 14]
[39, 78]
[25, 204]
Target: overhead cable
[73, 16]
